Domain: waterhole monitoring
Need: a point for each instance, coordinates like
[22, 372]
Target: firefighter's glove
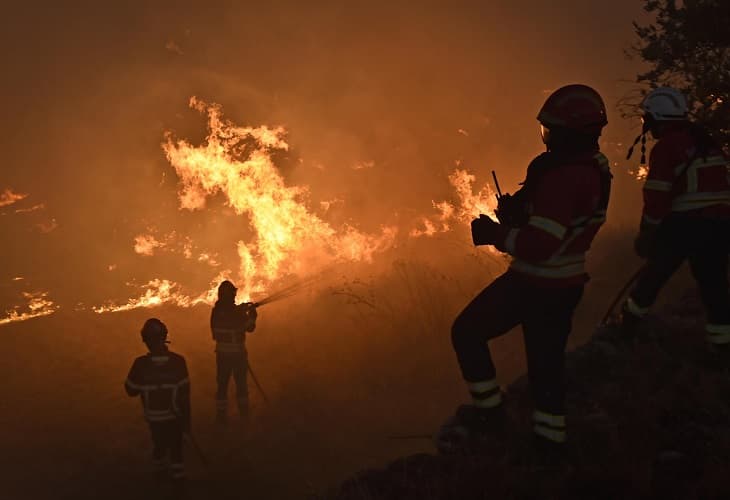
[251, 310]
[644, 242]
[484, 231]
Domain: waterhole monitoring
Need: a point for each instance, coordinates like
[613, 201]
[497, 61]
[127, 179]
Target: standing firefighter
[230, 323]
[548, 227]
[161, 379]
[686, 214]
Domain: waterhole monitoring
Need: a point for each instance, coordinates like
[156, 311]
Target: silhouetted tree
[688, 47]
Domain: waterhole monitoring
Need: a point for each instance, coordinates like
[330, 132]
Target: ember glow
[38, 305]
[8, 197]
[641, 173]
[288, 238]
[34, 208]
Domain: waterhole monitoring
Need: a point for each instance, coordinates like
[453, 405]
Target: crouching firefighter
[547, 227]
[686, 214]
[229, 324]
[161, 379]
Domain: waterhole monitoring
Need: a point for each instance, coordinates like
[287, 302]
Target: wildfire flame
[162, 291]
[289, 239]
[38, 305]
[145, 244]
[470, 205]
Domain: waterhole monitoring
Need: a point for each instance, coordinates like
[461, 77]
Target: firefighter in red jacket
[229, 324]
[547, 227]
[161, 379]
[686, 214]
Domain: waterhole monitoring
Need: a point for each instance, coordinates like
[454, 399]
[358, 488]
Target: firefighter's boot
[469, 428]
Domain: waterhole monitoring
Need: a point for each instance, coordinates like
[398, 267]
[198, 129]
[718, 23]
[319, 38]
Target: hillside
[648, 418]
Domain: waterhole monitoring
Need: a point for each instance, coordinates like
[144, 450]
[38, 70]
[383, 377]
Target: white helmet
[665, 104]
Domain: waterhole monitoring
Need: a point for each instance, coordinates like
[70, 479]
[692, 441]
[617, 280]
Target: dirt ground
[344, 368]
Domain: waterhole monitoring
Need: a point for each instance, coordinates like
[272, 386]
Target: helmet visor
[544, 134]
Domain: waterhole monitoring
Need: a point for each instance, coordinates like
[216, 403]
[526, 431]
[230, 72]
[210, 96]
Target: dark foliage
[688, 47]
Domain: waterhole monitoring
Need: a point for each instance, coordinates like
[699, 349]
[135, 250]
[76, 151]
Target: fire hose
[198, 451]
[288, 291]
[284, 293]
[620, 295]
[256, 383]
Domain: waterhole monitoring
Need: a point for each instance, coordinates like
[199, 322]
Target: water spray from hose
[294, 289]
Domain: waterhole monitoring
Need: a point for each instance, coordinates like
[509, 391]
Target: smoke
[378, 104]
[392, 117]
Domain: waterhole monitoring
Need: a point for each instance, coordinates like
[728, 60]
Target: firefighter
[686, 214]
[229, 324]
[547, 227]
[160, 377]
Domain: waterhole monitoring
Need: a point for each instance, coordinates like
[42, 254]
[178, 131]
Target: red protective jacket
[566, 205]
[702, 188]
[163, 383]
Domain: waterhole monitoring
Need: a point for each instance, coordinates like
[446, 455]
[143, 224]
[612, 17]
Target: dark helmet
[227, 289]
[578, 108]
[153, 331]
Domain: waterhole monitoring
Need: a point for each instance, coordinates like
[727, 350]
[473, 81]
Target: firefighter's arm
[251, 315]
[131, 385]
[548, 224]
[659, 184]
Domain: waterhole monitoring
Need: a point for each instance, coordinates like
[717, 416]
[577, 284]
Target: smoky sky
[404, 88]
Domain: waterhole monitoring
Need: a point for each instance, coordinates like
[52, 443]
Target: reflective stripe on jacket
[568, 206]
[163, 384]
[229, 324]
[672, 185]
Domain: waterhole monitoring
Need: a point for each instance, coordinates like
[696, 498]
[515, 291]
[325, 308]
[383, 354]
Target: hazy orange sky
[90, 88]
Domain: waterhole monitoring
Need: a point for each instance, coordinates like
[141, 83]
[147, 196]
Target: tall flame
[289, 239]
